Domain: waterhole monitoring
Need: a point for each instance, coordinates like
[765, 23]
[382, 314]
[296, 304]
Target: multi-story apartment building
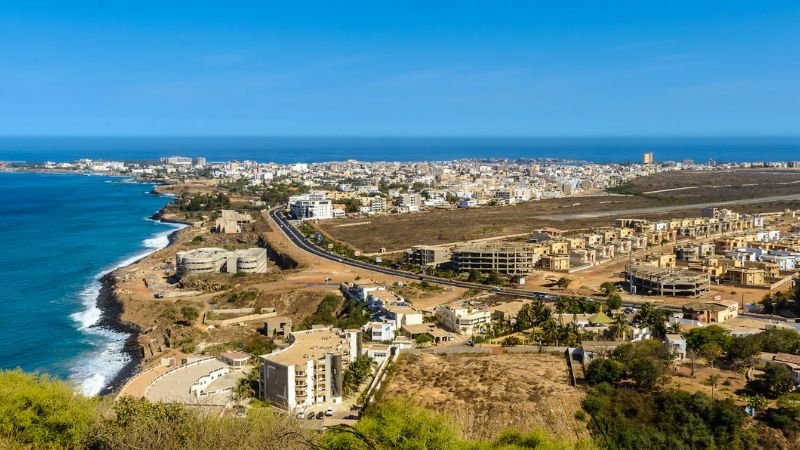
[310, 370]
[311, 206]
[428, 255]
[463, 318]
[504, 258]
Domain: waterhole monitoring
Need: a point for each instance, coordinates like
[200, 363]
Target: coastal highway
[298, 239]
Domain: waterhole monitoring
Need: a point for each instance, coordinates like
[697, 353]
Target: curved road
[298, 239]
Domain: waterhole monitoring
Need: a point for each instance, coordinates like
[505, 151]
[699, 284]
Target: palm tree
[551, 331]
[674, 328]
[243, 390]
[712, 381]
[620, 327]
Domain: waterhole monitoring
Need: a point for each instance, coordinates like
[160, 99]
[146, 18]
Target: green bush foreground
[43, 413]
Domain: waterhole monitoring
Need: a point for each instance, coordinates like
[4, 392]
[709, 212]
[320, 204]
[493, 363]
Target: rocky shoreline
[111, 307]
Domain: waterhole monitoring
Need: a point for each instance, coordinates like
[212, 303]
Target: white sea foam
[92, 374]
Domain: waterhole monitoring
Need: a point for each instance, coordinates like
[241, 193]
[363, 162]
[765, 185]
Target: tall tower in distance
[647, 158]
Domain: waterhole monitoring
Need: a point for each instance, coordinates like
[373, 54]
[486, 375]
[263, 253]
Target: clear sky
[404, 68]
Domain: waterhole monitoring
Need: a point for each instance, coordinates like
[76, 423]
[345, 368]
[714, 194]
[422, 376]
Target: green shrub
[39, 411]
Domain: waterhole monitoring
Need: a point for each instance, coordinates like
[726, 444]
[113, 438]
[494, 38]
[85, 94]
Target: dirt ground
[489, 393]
[399, 231]
[295, 293]
[728, 384]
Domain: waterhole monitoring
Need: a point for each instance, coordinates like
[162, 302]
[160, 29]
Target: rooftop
[308, 345]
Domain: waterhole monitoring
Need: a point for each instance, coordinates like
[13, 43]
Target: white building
[310, 370]
[311, 206]
[212, 260]
[462, 318]
[380, 331]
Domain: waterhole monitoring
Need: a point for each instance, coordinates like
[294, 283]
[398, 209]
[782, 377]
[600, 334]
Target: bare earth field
[488, 393]
[396, 232]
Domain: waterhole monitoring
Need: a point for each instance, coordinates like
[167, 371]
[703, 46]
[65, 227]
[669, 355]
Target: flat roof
[236, 355]
[512, 307]
[308, 345]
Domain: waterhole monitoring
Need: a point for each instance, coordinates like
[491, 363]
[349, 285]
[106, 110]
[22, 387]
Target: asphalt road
[660, 209]
[298, 239]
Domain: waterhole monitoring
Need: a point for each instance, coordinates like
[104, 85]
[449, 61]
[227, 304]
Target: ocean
[289, 150]
[60, 234]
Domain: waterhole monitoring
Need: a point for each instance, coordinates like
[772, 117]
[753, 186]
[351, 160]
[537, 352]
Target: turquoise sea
[60, 234]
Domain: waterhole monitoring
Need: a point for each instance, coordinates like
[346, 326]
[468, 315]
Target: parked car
[301, 415]
[311, 416]
[320, 415]
[329, 412]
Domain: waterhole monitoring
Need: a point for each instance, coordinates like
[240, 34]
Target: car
[329, 412]
[310, 416]
[320, 415]
[301, 415]
[351, 417]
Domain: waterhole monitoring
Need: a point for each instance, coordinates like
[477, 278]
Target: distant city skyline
[415, 69]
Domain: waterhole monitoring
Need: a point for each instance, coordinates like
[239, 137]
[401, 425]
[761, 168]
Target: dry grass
[487, 394]
[395, 232]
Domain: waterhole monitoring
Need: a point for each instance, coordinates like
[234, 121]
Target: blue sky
[405, 68]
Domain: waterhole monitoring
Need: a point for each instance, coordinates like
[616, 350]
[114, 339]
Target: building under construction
[648, 280]
[504, 258]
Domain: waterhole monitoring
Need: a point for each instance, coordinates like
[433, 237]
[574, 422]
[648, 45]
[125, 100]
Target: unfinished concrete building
[427, 255]
[504, 258]
[648, 280]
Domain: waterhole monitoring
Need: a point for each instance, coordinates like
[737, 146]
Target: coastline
[112, 306]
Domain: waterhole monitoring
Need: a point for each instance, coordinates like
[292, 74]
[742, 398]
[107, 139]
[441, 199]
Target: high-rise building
[647, 158]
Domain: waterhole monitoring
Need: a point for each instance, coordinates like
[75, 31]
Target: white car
[329, 412]
[301, 415]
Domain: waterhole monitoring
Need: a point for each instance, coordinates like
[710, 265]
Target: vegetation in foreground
[40, 412]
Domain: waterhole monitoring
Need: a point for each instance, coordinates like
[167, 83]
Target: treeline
[631, 419]
[38, 412]
[202, 202]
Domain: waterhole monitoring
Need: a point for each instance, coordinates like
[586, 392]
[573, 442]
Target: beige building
[504, 258]
[427, 255]
[745, 276]
[555, 263]
[711, 312]
[231, 222]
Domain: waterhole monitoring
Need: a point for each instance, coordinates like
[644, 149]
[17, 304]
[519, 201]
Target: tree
[709, 342]
[563, 282]
[243, 390]
[613, 301]
[608, 288]
[423, 339]
[550, 331]
[604, 371]
[511, 341]
[40, 412]
[743, 350]
[474, 276]
[189, 314]
[778, 379]
[646, 373]
[711, 351]
[395, 425]
[653, 318]
[619, 327]
[712, 381]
